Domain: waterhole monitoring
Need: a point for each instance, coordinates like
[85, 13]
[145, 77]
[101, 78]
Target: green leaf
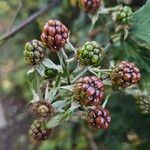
[67, 87]
[49, 64]
[59, 105]
[138, 55]
[55, 121]
[40, 69]
[51, 94]
[142, 15]
[141, 28]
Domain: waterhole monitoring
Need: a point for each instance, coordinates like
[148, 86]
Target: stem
[71, 47]
[102, 70]
[80, 74]
[28, 21]
[106, 100]
[66, 65]
[57, 80]
[38, 85]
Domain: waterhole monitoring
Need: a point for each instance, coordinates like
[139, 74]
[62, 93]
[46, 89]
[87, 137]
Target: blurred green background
[129, 129]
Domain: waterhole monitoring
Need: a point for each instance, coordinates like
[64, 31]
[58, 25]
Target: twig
[28, 21]
[17, 13]
[92, 142]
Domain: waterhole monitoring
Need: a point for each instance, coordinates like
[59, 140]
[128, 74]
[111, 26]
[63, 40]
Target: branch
[17, 13]
[28, 21]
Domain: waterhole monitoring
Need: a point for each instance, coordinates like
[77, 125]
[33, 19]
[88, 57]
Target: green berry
[34, 52]
[143, 104]
[91, 54]
[124, 15]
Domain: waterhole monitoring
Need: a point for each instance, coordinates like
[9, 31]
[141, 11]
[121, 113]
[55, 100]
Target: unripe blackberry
[34, 52]
[125, 74]
[43, 109]
[50, 73]
[99, 118]
[124, 15]
[89, 90]
[90, 6]
[91, 54]
[55, 35]
[143, 104]
[38, 131]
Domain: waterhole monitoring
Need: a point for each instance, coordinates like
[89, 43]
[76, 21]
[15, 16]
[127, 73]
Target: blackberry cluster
[55, 35]
[34, 52]
[143, 104]
[125, 74]
[91, 54]
[99, 118]
[124, 15]
[42, 109]
[89, 90]
[90, 6]
[38, 132]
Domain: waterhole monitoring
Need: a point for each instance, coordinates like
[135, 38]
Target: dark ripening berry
[143, 104]
[38, 131]
[91, 54]
[125, 74]
[89, 90]
[43, 109]
[91, 6]
[124, 15]
[54, 35]
[34, 52]
[99, 118]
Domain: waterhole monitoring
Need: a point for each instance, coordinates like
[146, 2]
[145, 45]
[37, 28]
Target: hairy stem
[106, 100]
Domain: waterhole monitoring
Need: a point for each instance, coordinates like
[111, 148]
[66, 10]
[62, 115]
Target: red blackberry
[38, 132]
[42, 109]
[125, 74]
[89, 90]
[91, 6]
[99, 118]
[54, 35]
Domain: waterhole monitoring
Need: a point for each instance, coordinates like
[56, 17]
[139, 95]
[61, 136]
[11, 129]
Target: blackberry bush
[74, 78]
